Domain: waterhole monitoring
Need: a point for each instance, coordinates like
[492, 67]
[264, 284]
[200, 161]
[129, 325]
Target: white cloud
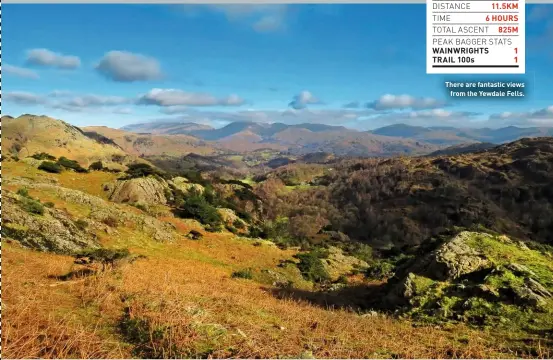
[303, 99]
[95, 100]
[123, 66]
[541, 117]
[20, 72]
[232, 100]
[24, 98]
[175, 97]
[45, 57]
[403, 102]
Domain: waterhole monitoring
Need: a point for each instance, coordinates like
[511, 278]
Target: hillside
[440, 256]
[402, 201]
[219, 295]
[456, 136]
[30, 134]
[147, 144]
[463, 148]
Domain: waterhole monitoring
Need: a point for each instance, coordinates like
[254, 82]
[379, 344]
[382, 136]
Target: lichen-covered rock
[149, 190]
[52, 231]
[456, 258]
[100, 209]
[182, 184]
[476, 278]
[337, 263]
[32, 161]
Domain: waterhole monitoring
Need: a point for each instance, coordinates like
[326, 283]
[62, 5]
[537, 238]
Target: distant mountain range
[298, 139]
[453, 136]
[339, 140]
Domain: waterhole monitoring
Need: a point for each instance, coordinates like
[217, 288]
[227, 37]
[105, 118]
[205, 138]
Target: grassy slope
[36, 134]
[174, 145]
[181, 301]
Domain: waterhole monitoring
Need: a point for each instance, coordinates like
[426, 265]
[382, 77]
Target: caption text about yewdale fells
[486, 89]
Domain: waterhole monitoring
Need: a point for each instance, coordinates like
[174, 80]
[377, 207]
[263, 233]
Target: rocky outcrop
[100, 210]
[455, 259]
[52, 231]
[338, 264]
[473, 278]
[182, 184]
[146, 190]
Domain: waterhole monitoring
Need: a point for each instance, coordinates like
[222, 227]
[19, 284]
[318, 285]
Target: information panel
[475, 37]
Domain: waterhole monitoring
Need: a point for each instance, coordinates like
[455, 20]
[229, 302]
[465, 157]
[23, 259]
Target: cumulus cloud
[123, 66]
[67, 101]
[20, 72]
[303, 99]
[232, 100]
[541, 117]
[404, 102]
[95, 101]
[176, 97]
[24, 98]
[48, 58]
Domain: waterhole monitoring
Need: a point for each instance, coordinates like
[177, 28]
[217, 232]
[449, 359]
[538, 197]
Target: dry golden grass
[40, 133]
[40, 319]
[188, 306]
[90, 183]
[181, 301]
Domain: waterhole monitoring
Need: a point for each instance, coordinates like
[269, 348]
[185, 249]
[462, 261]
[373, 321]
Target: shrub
[49, 204]
[138, 170]
[232, 229]
[71, 164]
[243, 274]
[195, 206]
[311, 266]
[104, 256]
[194, 235]
[32, 206]
[43, 156]
[380, 270]
[96, 166]
[238, 224]
[81, 224]
[50, 167]
[140, 206]
[193, 176]
[23, 192]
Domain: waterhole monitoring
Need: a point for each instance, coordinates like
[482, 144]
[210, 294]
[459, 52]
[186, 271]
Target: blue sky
[361, 66]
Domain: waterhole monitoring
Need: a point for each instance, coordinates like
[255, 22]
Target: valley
[166, 243]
